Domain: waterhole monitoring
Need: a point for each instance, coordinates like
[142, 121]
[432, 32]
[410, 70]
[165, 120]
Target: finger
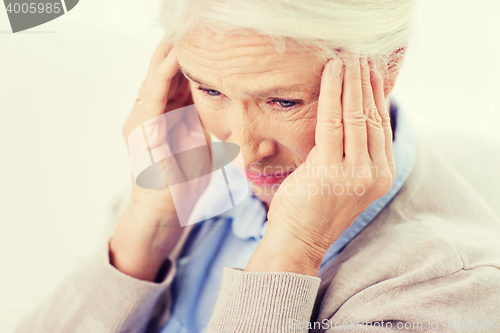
[354, 119]
[159, 55]
[142, 112]
[379, 97]
[160, 83]
[376, 138]
[329, 131]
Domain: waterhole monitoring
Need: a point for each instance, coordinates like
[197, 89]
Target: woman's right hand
[149, 228]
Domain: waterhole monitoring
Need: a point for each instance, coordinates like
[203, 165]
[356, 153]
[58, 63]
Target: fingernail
[335, 68]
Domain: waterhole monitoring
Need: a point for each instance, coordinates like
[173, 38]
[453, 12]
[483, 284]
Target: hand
[164, 89]
[350, 166]
[149, 228]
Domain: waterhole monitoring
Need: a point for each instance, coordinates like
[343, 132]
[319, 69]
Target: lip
[267, 179]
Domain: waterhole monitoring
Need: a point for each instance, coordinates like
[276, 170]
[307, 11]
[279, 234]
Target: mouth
[267, 179]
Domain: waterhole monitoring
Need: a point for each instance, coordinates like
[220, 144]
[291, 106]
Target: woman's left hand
[350, 166]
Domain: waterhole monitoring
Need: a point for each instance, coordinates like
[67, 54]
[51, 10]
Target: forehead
[224, 56]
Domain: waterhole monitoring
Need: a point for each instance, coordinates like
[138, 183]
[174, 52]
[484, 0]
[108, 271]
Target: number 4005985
[34, 7]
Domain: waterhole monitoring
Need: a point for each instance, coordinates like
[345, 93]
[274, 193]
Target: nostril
[251, 165]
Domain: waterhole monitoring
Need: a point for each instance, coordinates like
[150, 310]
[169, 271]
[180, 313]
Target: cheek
[302, 139]
[298, 134]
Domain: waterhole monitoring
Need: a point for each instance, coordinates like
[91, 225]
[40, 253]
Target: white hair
[368, 28]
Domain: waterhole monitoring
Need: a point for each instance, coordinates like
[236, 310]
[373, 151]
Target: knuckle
[384, 115]
[385, 120]
[355, 118]
[332, 122]
[373, 114]
[351, 160]
[375, 126]
[365, 84]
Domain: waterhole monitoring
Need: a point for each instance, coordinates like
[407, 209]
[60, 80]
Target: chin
[264, 193]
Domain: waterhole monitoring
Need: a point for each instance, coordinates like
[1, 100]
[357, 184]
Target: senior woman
[390, 239]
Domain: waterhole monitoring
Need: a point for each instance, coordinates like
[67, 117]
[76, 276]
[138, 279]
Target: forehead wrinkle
[262, 65]
[208, 47]
[220, 58]
[276, 90]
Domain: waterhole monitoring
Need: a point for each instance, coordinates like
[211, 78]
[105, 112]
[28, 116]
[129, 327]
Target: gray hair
[377, 29]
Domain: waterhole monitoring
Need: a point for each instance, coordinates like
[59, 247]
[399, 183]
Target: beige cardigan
[430, 259]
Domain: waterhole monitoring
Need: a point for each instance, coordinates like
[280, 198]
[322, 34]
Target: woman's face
[249, 94]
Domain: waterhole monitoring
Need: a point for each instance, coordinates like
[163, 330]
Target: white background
[67, 86]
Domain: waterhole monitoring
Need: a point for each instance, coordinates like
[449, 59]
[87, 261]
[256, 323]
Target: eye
[280, 103]
[284, 103]
[210, 92]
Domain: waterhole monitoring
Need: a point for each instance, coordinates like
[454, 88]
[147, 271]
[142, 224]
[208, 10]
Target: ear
[393, 66]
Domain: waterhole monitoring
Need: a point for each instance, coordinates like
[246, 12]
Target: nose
[253, 154]
[252, 136]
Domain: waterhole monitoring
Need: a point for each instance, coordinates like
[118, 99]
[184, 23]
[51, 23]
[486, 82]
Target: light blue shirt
[231, 238]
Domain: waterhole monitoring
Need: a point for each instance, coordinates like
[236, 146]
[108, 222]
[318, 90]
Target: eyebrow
[267, 93]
